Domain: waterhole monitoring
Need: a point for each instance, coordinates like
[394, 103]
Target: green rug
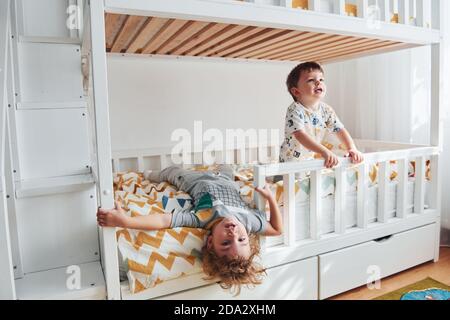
[427, 289]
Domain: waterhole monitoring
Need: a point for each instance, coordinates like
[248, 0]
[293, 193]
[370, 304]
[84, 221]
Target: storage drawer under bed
[294, 281]
[351, 267]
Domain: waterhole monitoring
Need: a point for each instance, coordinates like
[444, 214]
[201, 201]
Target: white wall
[158, 96]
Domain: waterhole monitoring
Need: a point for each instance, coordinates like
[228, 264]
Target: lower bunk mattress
[147, 258]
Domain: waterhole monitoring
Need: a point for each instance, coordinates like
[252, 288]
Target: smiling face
[229, 238]
[310, 88]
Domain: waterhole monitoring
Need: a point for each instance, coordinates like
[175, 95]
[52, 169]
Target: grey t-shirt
[253, 220]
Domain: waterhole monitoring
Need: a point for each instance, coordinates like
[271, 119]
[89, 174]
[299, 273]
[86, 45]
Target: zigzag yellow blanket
[152, 257]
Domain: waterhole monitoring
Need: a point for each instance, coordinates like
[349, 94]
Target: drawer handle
[383, 239]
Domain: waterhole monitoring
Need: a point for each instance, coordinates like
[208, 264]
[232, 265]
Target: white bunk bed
[312, 268]
[315, 268]
[368, 241]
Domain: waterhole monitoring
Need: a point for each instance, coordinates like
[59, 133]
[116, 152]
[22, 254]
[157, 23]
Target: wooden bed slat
[164, 35]
[394, 47]
[261, 38]
[315, 46]
[328, 45]
[191, 29]
[154, 35]
[365, 47]
[296, 45]
[364, 52]
[149, 30]
[242, 53]
[335, 45]
[243, 36]
[200, 38]
[279, 45]
[337, 51]
[114, 23]
[126, 35]
[222, 35]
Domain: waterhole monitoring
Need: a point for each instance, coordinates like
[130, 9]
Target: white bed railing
[160, 158]
[408, 12]
[283, 249]
[377, 152]
[289, 171]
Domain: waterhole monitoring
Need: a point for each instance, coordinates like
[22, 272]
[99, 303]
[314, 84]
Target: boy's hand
[266, 193]
[331, 160]
[113, 217]
[355, 155]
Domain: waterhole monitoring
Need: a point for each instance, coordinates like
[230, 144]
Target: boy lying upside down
[232, 245]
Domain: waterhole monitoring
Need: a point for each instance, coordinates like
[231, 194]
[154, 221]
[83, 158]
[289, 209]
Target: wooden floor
[439, 271]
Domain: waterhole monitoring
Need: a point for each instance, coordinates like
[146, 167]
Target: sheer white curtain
[383, 97]
[387, 97]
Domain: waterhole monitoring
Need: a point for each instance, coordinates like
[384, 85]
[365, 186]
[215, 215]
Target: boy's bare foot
[113, 217]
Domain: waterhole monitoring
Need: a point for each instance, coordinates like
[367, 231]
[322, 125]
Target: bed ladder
[7, 289]
[48, 157]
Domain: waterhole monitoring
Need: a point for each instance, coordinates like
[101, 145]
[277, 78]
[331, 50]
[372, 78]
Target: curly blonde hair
[233, 273]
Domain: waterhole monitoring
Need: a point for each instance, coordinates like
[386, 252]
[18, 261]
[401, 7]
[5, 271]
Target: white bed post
[7, 287]
[286, 3]
[229, 156]
[419, 186]
[402, 188]
[362, 8]
[437, 92]
[385, 10]
[435, 199]
[339, 7]
[141, 165]
[240, 155]
[259, 181]
[382, 192]
[289, 208]
[339, 200]
[403, 12]
[314, 5]
[103, 141]
[423, 13]
[362, 196]
[162, 161]
[116, 165]
[262, 152]
[315, 197]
